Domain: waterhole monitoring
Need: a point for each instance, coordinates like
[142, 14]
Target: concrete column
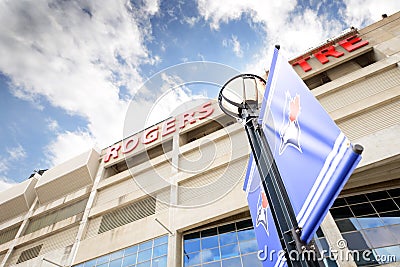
[85, 218]
[21, 229]
[174, 240]
[333, 236]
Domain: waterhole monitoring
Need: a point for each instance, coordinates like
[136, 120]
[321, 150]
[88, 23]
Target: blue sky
[69, 69]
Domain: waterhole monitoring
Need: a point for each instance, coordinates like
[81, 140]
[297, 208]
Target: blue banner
[313, 156]
[270, 249]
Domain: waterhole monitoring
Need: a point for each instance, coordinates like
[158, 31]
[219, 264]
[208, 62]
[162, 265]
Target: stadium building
[172, 194]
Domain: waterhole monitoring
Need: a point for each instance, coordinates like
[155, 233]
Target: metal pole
[282, 210]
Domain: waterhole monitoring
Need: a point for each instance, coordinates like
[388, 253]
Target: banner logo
[262, 217]
[290, 130]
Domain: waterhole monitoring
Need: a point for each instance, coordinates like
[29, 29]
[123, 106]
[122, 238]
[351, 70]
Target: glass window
[90, 263]
[209, 232]
[233, 262]
[319, 232]
[191, 236]
[160, 250]
[355, 241]
[144, 255]
[229, 251]
[212, 264]
[161, 240]
[228, 238]
[209, 242]
[251, 260]
[362, 209]
[394, 192]
[131, 250]
[145, 245]
[210, 255]
[248, 246]
[226, 228]
[372, 225]
[356, 199]
[397, 200]
[370, 222]
[160, 262]
[380, 237]
[341, 213]
[192, 259]
[384, 205]
[387, 254]
[117, 255]
[116, 263]
[244, 224]
[367, 260]
[129, 260]
[144, 264]
[141, 253]
[103, 259]
[192, 246]
[378, 195]
[248, 234]
[395, 230]
[225, 245]
[339, 202]
[348, 225]
[323, 245]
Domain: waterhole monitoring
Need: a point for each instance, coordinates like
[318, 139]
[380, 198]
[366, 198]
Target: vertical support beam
[174, 241]
[85, 218]
[21, 230]
[333, 235]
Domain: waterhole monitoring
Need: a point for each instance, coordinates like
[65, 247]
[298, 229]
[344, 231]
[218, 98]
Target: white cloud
[359, 13]
[69, 144]
[258, 10]
[5, 183]
[235, 44]
[294, 31]
[16, 153]
[191, 21]
[52, 125]
[76, 55]
[152, 7]
[175, 94]
[3, 165]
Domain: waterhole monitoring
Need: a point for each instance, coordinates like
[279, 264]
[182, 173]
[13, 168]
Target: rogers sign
[153, 133]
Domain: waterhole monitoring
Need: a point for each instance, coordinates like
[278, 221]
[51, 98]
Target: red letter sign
[150, 135]
[206, 109]
[112, 151]
[352, 43]
[303, 64]
[186, 117]
[168, 127]
[330, 51]
[130, 144]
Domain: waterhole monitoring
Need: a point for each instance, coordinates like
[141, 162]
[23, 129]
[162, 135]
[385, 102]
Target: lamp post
[239, 98]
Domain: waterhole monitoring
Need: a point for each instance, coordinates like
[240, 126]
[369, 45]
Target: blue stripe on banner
[268, 85]
[321, 176]
[246, 181]
[324, 182]
[332, 190]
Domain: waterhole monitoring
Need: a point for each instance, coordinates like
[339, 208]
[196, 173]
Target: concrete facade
[191, 179]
